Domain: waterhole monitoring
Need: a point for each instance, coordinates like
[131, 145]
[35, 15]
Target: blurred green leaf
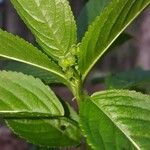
[129, 79]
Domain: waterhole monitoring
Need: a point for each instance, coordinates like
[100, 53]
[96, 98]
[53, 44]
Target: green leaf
[116, 120]
[128, 79]
[33, 111]
[45, 76]
[14, 48]
[89, 12]
[51, 22]
[105, 30]
[22, 93]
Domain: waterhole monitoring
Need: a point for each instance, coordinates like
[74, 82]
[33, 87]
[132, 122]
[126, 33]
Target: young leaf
[128, 79]
[89, 12]
[12, 47]
[51, 22]
[105, 29]
[23, 96]
[117, 119]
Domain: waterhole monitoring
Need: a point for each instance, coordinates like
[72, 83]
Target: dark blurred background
[133, 54]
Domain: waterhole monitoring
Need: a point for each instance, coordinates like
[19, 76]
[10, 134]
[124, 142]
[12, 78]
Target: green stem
[77, 90]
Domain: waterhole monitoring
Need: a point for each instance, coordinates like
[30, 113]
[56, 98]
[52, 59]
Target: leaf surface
[117, 119]
[15, 48]
[52, 23]
[33, 111]
[105, 29]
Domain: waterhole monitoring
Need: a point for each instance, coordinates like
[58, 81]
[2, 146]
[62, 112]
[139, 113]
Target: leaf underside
[33, 111]
[105, 29]
[51, 22]
[116, 120]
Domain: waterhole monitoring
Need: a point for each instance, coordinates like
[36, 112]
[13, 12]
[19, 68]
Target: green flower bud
[67, 61]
